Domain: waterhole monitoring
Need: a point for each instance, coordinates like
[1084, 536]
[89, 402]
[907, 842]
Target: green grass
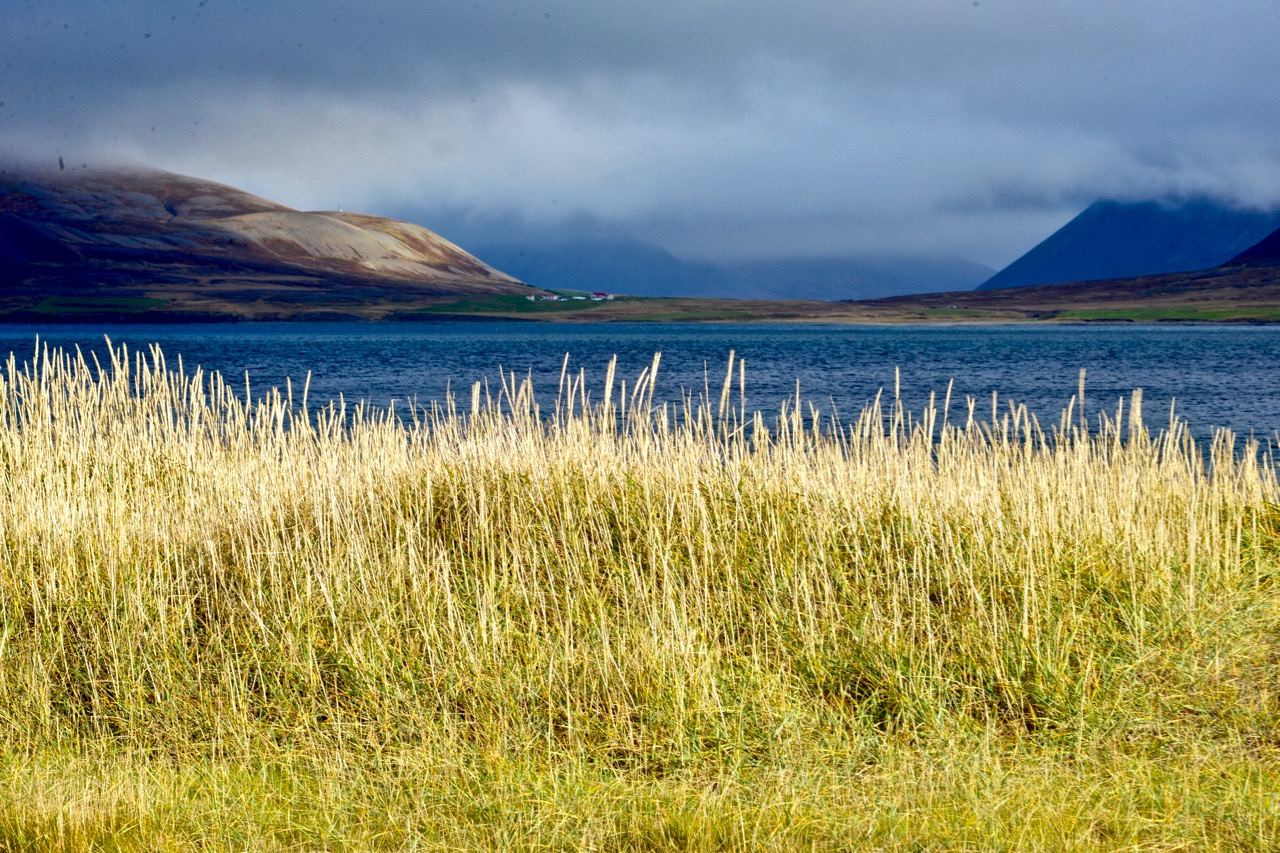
[928, 801]
[1189, 313]
[97, 304]
[954, 313]
[504, 304]
[698, 316]
[655, 310]
[597, 626]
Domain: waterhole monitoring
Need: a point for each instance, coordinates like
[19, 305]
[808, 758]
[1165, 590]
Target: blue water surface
[1213, 376]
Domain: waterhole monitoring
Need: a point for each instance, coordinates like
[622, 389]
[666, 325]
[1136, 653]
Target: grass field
[623, 308]
[1179, 314]
[602, 625]
[506, 304]
[58, 305]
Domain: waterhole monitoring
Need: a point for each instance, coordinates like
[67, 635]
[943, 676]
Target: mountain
[1113, 239]
[857, 277]
[1242, 287]
[122, 240]
[615, 266]
[1265, 252]
[1240, 291]
[638, 269]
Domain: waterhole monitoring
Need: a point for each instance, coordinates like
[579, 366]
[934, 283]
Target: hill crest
[145, 233]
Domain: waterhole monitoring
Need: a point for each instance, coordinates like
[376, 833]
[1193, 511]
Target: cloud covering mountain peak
[968, 128]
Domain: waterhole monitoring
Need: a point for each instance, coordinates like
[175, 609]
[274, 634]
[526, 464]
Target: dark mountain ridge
[1265, 252]
[1113, 240]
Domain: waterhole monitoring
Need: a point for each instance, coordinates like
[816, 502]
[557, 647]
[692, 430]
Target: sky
[718, 130]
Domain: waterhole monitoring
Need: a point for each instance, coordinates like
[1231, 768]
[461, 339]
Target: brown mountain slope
[1230, 293]
[144, 242]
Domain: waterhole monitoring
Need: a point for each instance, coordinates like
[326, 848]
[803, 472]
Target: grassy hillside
[1246, 293]
[600, 625]
[171, 247]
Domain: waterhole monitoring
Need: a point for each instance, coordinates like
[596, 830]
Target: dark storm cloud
[718, 128]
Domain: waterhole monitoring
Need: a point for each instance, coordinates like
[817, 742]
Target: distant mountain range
[1113, 240]
[638, 269]
[142, 244]
[124, 243]
[98, 242]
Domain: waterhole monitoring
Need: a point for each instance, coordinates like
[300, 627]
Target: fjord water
[1213, 376]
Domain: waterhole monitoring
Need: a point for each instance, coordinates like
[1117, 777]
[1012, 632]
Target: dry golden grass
[614, 626]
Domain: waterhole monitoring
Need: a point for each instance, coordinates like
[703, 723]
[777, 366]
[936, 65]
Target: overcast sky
[716, 129]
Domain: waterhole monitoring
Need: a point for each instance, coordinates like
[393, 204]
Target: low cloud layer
[715, 129]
